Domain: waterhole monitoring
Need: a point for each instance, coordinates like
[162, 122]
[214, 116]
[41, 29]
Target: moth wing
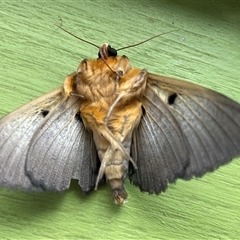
[16, 131]
[159, 147]
[209, 123]
[42, 138]
[61, 149]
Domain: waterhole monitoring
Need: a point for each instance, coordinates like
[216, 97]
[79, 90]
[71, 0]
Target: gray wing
[16, 130]
[66, 147]
[61, 149]
[209, 122]
[159, 147]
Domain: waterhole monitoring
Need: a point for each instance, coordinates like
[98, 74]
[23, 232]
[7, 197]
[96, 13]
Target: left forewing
[44, 144]
[16, 130]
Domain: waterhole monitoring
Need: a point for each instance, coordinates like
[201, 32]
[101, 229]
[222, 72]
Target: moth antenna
[102, 51]
[81, 39]
[136, 44]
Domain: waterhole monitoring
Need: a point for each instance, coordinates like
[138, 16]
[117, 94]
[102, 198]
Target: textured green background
[35, 57]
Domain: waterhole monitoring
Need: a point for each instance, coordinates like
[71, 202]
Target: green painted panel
[35, 57]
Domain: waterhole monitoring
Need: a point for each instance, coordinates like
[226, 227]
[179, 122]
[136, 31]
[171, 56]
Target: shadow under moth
[116, 121]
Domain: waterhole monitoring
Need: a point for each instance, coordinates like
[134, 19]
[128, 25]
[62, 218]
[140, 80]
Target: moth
[111, 120]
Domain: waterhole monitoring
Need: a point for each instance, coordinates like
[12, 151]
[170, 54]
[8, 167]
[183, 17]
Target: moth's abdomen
[115, 171]
[113, 143]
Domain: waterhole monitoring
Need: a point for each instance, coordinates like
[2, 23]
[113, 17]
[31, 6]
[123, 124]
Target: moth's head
[112, 75]
[106, 51]
[107, 64]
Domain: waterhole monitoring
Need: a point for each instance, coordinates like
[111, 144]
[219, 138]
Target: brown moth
[110, 119]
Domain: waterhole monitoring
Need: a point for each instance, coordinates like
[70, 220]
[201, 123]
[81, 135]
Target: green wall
[35, 57]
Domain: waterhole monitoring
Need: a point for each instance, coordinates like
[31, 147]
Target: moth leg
[115, 143]
[114, 166]
[69, 85]
[106, 157]
[94, 119]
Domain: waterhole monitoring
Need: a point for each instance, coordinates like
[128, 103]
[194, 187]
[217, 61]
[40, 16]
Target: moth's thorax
[110, 85]
[103, 80]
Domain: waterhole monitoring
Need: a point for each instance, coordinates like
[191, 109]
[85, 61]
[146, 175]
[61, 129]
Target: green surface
[35, 58]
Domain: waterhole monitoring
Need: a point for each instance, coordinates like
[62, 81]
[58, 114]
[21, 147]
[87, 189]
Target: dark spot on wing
[44, 113]
[78, 117]
[143, 111]
[172, 98]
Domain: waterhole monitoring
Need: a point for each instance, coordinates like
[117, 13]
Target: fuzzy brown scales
[112, 109]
